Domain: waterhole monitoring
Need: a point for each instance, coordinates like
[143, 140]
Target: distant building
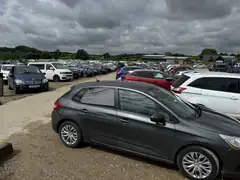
[163, 58]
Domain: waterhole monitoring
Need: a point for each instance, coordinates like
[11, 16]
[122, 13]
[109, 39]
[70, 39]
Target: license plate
[34, 86]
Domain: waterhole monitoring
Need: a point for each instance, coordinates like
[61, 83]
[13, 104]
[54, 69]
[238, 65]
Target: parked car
[54, 71]
[175, 70]
[5, 69]
[146, 120]
[177, 74]
[126, 70]
[150, 76]
[22, 78]
[216, 90]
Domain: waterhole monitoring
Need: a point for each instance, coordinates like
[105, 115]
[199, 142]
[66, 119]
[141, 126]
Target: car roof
[213, 74]
[140, 86]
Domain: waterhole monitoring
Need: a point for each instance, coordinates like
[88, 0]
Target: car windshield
[58, 66]
[27, 70]
[6, 68]
[173, 103]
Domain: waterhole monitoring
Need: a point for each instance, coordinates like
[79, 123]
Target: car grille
[33, 82]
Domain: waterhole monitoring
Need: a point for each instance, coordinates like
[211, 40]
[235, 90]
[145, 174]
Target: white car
[53, 70]
[215, 90]
[5, 69]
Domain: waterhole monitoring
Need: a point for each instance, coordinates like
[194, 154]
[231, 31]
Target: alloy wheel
[69, 134]
[197, 165]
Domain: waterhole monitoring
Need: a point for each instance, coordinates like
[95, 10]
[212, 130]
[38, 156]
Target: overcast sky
[122, 26]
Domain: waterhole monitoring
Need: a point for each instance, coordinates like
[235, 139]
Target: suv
[218, 91]
[53, 70]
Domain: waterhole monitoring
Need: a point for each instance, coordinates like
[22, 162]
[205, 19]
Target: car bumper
[231, 175]
[66, 77]
[28, 87]
[55, 121]
[231, 164]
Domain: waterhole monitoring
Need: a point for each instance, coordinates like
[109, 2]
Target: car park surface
[40, 155]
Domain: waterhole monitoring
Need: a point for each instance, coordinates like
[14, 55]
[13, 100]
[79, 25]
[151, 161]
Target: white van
[53, 71]
[5, 69]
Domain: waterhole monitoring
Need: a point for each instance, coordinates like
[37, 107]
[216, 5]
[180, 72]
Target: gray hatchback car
[149, 121]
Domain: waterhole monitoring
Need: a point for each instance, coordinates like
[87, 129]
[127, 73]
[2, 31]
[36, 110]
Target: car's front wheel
[70, 134]
[198, 163]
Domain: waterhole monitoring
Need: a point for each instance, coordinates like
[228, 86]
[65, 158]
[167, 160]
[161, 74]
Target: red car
[158, 78]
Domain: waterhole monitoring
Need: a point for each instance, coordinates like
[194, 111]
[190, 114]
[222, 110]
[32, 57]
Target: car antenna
[96, 79]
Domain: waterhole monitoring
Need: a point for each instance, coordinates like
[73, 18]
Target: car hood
[218, 123]
[63, 70]
[30, 77]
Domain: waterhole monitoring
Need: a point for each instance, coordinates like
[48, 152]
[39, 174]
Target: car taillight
[57, 105]
[178, 90]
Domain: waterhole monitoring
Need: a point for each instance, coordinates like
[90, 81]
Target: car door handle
[85, 111]
[124, 120]
[234, 98]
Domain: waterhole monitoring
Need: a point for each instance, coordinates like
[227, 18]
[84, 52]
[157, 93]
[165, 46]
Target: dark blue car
[24, 78]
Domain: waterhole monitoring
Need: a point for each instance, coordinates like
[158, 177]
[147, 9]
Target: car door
[136, 132]
[96, 110]
[49, 71]
[160, 80]
[219, 93]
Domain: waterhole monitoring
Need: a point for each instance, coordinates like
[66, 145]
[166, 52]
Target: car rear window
[181, 80]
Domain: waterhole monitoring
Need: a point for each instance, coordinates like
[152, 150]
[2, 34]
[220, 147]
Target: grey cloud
[142, 26]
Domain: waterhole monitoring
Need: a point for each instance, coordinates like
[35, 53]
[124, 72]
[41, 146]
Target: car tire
[189, 155]
[56, 78]
[69, 126]
[16, 90]
[9, 87]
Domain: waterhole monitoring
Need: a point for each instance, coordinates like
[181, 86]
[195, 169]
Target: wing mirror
[159, 119]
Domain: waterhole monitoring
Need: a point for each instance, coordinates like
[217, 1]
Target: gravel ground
[41, 156]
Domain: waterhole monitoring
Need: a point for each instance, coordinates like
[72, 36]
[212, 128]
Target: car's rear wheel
[70, 134]
[198, 163]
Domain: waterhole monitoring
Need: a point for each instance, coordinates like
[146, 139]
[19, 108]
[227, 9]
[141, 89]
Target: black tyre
[70, 134]
[198, 163]
[56, 78]
[9, 87]
[16, 90]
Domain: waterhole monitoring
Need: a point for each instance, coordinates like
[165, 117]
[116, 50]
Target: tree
[106, 55]
[82, 54]
[208, 52]
[167, 53]
[57, 54]
[46, 55]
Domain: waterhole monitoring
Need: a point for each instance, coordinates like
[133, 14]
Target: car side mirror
[159, 119]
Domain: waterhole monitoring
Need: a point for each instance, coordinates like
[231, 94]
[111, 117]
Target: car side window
[217, 84]
[138, 103]
[96, 96]
[39, 66]
[48, 66]
[145, 74]
[158, 75]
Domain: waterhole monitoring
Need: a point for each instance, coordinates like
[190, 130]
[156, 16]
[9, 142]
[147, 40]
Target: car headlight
[18, 81]
[45, 80]
[234, 142]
